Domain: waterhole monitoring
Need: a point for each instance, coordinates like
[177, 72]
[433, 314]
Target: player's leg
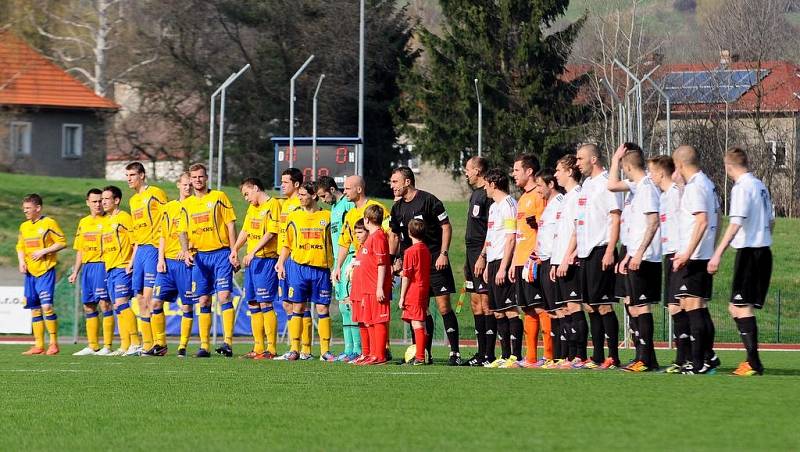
[321, 294]
[90, 296]
[256, 316]
[442, 285]
[418, 327]
[107, 310]
[187, 321]
[92, 330]
[201, 289]
[752, 273]
[515, 336]
[296, 330]
[32, 302]
[46, 287]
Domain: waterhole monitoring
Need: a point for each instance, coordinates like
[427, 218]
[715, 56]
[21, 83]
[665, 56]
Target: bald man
[698, 220]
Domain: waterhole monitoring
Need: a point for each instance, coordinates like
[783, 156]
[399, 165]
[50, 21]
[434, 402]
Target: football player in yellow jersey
[291, 180]
[260, 233]
[89, 264]
[146, 205]
[211, 229]
[174, 277]
[304, 263]
[117, 253]
[40, 238]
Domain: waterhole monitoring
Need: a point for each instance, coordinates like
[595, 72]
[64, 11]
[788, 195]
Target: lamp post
[314, 133]
[291, 109]
[480, 119]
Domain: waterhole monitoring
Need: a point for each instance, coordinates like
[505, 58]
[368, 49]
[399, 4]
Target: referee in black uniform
[412, 203]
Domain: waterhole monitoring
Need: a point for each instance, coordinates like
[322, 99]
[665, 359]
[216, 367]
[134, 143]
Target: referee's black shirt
[429, 209]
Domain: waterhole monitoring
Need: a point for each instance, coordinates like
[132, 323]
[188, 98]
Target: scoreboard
[336, 157]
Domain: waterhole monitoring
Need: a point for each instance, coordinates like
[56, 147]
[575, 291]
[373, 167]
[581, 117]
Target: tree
[518, 58]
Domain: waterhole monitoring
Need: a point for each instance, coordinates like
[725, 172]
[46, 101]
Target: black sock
[748, 331]
[515, 329]
[451, 329]
[555, 336]
[611, 326]
[708, 347]
[569, 332]
[697, 329]
[504, 336]
[480, 333]
[633, 323]
[680, 331]
[646, 338]
[429, 326]
[598, 337]
[581, 334]
[491, 337]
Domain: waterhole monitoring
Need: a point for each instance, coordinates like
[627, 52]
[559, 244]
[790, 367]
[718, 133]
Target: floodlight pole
[669, 110]
[220, 149]
[314, 133]
[480, 119]
[291, 109]
[212, 119]
[725, 178]
[361, 39]
[620, 111]
[638, 89]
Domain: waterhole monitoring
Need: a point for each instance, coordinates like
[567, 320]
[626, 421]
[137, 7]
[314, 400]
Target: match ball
[411, 352]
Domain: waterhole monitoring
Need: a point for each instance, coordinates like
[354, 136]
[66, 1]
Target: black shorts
[529, 294]
[669, 297]
[620, 284]
[644, 285]
[473, 283]
[597, 285]
[569, 287]
[692, 281]
[549, 288]
[752, 270]
[442, 282]
[502, 297]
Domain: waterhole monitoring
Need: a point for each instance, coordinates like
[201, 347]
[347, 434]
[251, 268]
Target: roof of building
[27, 78]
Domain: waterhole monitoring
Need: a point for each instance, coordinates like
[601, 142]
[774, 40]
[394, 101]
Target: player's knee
[156, 304]
[89, 308]
[322, 309]
[36, 312]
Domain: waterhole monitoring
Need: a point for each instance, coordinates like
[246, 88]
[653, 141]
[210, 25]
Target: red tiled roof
[28, 78]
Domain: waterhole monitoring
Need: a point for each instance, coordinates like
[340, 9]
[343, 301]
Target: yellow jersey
[87, 238]
[308, 236]
[208, 216]
[348, 236]
[173, 215]
[37, 235]
[260, 221]
[287, 206]
[117, 240]
[146, 212]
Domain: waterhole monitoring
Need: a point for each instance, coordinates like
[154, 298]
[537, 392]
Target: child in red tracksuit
[416, 284]
[357, 292]
[376, 284]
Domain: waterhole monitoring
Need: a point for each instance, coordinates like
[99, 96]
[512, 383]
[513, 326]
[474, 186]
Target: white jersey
[645, 200]
[502, 221]
[751, 208]
[548, 225]
[699, 195]
[670, 203]
[626, 213]
[593, 219]
[565, 225]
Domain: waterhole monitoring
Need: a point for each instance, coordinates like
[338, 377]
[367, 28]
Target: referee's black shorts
[442, 282]
[752, 271]
[473, 283]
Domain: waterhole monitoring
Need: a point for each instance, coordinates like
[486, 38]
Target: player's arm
[404, 283]
[447, 233]
[569, 256]
[700, 226]
[727, 238]
[183, 237]
[161, 266]
[508, 252]
[261, 244]
[129, 267]
[345, 240]
[649, 233]
[58, 244]
[286, 250]
[231, 227]
[237, 245]
[613, 236]
[615, 184]
[76, 267]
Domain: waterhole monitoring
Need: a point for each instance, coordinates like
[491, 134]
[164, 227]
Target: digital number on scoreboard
[335, 157]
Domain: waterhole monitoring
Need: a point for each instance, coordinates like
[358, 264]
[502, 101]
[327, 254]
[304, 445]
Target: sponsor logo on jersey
[476, 210]
[201, 217]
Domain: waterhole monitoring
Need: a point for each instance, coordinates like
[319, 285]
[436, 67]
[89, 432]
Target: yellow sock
[108, 329]
[295, 331]
[147, 332]
[204, 326]
[38, 328]
[271, 330]
[133, 332]
[187, 319]
[51, 323]
[257, 325]
[306, 333]
[324, 326]
[158, 325]
[93, 330]
[124, 329]
[228, 316]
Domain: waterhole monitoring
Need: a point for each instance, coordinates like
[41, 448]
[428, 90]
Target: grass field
[94, 403]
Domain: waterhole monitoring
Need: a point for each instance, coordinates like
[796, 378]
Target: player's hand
[635, 262]
[512, 275]
[500, 277]
[161, 267]
[441, 262]
[485, 275]
[188, 259]
[562, 269]
[247, 259]
[397, 266]
[279, 269]
[335, 275]
[531, 220]
[480, 265]
[379, 295]
[620, 152]
[553, 274]
[23, 268]
[233, 259]
[679, 261]
[73, 277]
[38, 254]
[622, 268]
[608, 260]
[713, 264]
[181, 255]
[401, 303]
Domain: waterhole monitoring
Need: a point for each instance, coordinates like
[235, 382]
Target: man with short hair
[752, 221]
[698, 221]
[477, 218]
[414, 203]
[89, 264]
[641, 266]
[40, 238]
[597, 232]
[211, 229]
[329, 193]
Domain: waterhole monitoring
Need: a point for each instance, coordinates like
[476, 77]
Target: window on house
[20, 138]
[778, 150]
[72, 141]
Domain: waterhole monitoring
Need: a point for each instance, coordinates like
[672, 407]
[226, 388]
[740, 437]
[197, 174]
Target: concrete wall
[168, 170]
[441, 183]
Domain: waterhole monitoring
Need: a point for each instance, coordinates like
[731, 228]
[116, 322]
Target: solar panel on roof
[715, 86]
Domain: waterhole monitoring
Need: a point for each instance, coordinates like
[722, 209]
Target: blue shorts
[39, 290]
[212, 272]
[175, 283]
[93, 283]
[118, 282]
[144, 267]
[261, 280]
[307, 283]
